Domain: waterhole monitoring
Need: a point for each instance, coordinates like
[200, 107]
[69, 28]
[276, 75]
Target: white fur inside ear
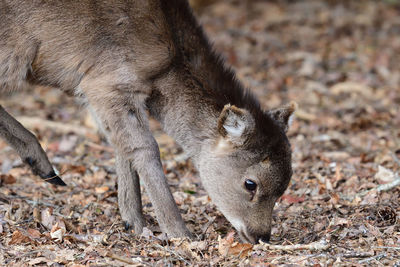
[235, 130]
[294, 106]
[290, 120]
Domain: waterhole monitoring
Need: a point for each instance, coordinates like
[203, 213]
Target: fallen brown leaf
[227, 246]
[102, 189]
[33, 233]
[292, 199]
[7, 179]
[19, 238]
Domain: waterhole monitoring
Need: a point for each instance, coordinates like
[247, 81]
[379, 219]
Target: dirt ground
[339, 60]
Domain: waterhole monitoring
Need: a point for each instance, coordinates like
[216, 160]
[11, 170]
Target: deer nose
[264, 238]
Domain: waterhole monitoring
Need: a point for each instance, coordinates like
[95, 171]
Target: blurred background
[339, 60]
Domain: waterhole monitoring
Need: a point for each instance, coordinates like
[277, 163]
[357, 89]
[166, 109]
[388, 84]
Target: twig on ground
[320, 245]
[39, 123]
[395, 248]
[388, 186]
[99, 147]
[377, 257]
[36, 202]
[28, 253]
[356, 254]
[120, 258]
[383, 187]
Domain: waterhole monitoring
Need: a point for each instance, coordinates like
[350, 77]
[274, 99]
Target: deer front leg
[127, 125]
[129, 197]
[28, 147]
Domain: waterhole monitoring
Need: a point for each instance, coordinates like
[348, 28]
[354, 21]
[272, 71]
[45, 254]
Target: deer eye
[250, 185]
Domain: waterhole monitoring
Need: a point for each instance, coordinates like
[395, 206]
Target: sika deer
[123, 58]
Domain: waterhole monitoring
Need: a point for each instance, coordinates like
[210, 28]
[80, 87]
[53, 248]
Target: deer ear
[283, 115]
[235, 124]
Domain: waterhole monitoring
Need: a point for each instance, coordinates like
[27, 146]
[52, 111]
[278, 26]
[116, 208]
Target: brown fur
[123, 58]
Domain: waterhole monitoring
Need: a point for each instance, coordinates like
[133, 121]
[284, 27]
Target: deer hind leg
[28, 147]
[121, 110]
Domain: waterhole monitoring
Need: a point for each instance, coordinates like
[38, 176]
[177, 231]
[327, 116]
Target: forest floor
[339, 60]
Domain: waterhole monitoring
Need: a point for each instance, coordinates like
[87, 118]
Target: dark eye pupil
[250, 185]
